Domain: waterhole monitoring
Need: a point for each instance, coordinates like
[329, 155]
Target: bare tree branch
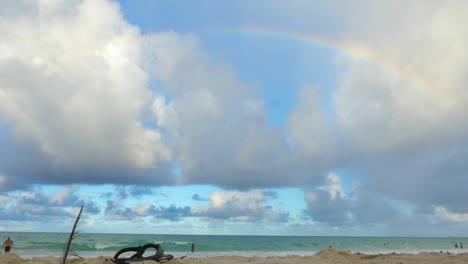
[70, 239]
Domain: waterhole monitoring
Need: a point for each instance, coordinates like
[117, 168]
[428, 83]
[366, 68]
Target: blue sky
[177, 117]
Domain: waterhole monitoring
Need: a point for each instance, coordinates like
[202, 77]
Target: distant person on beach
[456, 245]
[461, 245]
[193, 247]
[8, 244]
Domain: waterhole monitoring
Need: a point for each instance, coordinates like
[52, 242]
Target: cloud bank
[87, 98]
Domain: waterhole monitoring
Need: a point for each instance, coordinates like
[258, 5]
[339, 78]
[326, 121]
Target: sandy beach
[325, 256]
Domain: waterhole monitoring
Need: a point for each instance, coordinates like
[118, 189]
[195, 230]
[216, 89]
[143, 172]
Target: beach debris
[72, 236]
[138, 256]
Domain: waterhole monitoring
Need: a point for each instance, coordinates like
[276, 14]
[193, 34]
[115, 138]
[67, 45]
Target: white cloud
[62, 197]
[334, 187]
[309, 128]
[147, 147]
[73, 86]
[74, 94]
[82, 102]
[90, 223]
[215, 124]
[250, 201]
[403, 113]
[330, 205]
[448, 216]
[311, 197]
[142, 209]
[164, 113]
[415, 92]
[240, 206]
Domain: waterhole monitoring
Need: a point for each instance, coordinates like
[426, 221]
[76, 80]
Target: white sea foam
[180, 242]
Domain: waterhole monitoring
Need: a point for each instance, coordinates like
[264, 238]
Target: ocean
[30, 244]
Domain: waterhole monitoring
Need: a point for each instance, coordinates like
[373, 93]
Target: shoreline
[28, 254]
[324, 256]
[234, 254]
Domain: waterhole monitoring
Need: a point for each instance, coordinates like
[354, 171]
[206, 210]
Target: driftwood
[70, 239]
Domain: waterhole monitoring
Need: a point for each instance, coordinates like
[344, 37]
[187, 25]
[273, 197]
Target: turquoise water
[28, 245]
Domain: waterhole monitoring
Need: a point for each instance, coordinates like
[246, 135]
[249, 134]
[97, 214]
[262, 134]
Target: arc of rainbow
[349, 49]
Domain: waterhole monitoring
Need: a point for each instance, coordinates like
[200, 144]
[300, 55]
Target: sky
[267, 117]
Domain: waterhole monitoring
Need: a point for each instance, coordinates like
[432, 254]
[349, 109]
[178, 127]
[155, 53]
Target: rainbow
[352, 50]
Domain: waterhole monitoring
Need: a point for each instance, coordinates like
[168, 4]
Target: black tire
[159, 255]
[124, 250]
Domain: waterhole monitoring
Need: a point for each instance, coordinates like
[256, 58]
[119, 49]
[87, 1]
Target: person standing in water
[8, 244]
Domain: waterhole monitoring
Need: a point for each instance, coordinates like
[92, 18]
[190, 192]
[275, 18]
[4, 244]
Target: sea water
[30, 244]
